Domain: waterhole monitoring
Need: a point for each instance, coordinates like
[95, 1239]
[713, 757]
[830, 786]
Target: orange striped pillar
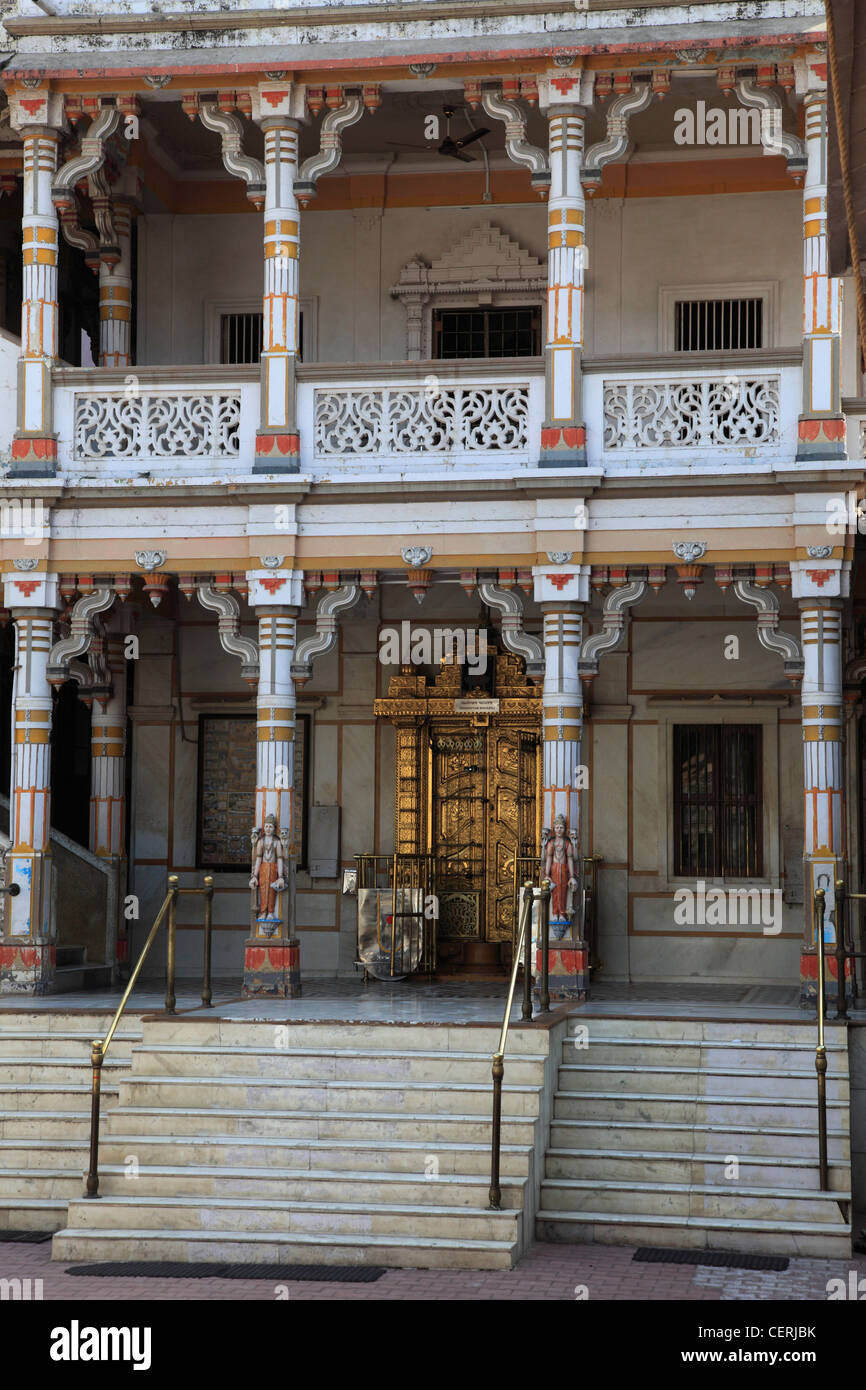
[34, 447]
[115, 296]
[271, 957]
[277, 440]
[823, 773]
[27, 948]
[563, 434]
[821, 427]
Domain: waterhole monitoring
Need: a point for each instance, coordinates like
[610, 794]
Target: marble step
[246, 1123]
[374, 1155]
[702, 1081]
[59, 1184]
[286, 1093]
[743, 1033]
[66, 1045]
[620, 1165]
[666, 1107]
[262, 1215]
[823, 1240]
[628, 1052]
[29, 1071]
[72, 1244]
[26, 1124]
[49, 1095]
[33, 1213]
[288, 1184]
[654, 1198]
[329, 1064]
[51, 1021]
[31, 1154]
[761, 1140]
[197, 1032]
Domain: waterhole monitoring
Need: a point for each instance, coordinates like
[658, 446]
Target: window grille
[717, 800]
[487, 332]
[718, 325]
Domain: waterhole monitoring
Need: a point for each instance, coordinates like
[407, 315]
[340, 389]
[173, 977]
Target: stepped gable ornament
[689, 551]
[559, 557]
[819, 552]
[150, 559]
[484, 261]
[267, 878]
[417, 555]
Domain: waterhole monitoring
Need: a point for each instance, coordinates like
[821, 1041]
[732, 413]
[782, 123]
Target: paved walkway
[561, 1273]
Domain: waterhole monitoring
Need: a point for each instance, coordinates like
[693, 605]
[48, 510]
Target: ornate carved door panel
[511, 829]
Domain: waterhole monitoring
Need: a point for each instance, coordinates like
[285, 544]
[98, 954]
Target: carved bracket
[91, 158]
[329, 607]
[330, 146]
[517, 147]
[231, 132]
[82, 632]
[513, 635]
[227, 608]
[614, 614]
[769, 637]
[617, 143]
[774, 139]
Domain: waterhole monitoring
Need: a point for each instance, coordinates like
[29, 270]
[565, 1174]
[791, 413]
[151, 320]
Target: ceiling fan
[449, 146]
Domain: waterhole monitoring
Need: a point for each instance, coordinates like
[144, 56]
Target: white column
[277, 443]
[822, 424]
[115, 296]
[563, 441]
[562, 719]
[823, 773]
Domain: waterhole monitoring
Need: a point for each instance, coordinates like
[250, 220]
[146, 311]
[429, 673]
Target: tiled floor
[445, 1001]
[558, 1273]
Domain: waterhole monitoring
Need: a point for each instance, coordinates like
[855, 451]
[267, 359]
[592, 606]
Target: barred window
[241, 338]
[717, 800]
[718, 325]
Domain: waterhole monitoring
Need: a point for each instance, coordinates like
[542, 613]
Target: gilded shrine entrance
[468, 770]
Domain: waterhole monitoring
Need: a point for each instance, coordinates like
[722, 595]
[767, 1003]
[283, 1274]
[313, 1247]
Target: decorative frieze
[707, 412]
[416, 420]
[157, 426]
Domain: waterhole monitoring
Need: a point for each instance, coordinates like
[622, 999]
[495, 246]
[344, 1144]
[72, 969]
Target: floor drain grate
[321, 1274]
[718, 1259]
[26, 1237]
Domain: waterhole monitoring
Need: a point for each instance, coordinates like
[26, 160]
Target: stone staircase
[315, 1143]
[45, 1109]
[648, 1116]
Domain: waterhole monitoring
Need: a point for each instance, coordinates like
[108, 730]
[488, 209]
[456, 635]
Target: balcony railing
[397, 416]
[397, 419]
[665, 410]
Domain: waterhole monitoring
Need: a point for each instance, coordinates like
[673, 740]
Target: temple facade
[420, 433]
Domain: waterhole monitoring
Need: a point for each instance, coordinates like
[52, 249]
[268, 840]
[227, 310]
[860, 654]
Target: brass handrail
[820, 1050]
[100, 1046]
[524, 935]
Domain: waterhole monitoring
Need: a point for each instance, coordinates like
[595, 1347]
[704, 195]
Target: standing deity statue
[560, 869]
[268, 874]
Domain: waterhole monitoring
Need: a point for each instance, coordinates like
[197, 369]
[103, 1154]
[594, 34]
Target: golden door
[483, 812]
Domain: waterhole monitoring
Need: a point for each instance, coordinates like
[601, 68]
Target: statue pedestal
[27, 966]
[809, 978]
[272, 968]
[568, 975]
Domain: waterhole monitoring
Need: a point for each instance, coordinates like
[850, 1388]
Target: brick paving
[558, 1273]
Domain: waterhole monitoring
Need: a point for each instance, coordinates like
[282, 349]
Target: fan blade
[458, 154]
[467, 139]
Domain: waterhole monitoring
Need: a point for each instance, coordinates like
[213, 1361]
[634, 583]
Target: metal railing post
[206, 992]
[820, 1050]
[495, 1194]
[97, 1056]
[526, 1011]
[544, 936]
[841, 999]
[171, 950]
[524, 931]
